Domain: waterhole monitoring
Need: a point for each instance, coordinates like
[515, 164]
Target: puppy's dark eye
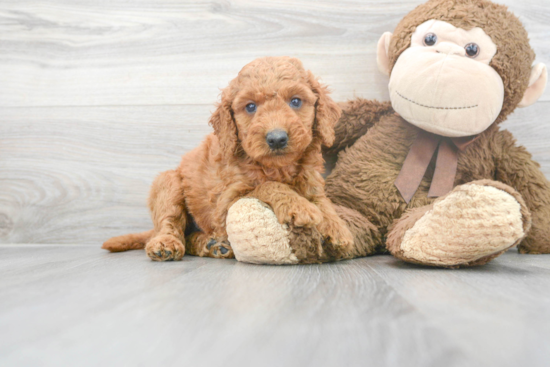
[251, 107]
[430, 39]
[295, 103]
[472, 49]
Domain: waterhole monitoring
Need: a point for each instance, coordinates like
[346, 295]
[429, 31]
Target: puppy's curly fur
[189, 205]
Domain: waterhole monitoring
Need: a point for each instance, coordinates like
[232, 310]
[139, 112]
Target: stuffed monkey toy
[430, 176]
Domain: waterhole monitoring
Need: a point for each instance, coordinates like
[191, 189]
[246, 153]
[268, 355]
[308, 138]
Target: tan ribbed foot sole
[256, 235]
[471, 223]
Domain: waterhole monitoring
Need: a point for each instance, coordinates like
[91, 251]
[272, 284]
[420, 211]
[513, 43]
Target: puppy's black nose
[277, 139]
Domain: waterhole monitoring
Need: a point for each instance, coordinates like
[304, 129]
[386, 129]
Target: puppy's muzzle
[277, 139]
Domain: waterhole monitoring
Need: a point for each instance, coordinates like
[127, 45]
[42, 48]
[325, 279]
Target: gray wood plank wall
[97, 97]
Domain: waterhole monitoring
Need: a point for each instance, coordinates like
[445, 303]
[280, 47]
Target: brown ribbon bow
[419, 157]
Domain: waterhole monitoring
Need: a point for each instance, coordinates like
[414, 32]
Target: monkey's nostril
[277, 139]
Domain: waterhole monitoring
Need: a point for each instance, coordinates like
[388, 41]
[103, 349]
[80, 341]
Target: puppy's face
[275, 119]
[276, 111]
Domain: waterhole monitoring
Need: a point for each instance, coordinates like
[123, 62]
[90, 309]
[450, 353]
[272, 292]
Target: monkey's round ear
[537, 85]
[382, 53]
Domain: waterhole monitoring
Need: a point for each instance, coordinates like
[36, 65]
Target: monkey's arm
[515, 167]
[358, 116]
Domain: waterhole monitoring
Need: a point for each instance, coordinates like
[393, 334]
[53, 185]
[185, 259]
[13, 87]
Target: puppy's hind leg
[201, 244]
[168, 211]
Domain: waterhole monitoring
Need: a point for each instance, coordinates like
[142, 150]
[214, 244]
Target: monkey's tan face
[443, 83]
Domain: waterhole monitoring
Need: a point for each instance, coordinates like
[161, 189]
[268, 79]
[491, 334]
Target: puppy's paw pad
[165, 248]
[211, 243]
[220, 249]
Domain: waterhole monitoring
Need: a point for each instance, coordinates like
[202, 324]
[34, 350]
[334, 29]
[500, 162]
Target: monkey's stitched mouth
[436, 108]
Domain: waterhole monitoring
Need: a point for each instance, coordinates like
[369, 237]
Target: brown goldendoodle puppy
[268, 131]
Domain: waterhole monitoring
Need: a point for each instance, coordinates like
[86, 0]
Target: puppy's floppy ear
[224, 125]
[327, 112]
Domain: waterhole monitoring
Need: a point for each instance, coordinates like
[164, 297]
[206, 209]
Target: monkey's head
[458, 66]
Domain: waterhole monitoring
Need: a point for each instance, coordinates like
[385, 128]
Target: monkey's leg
[312, 245]
[168, 212]
[471, 225]
[366, 237]
[333, 228]
[515, 167]
[205, 245]
[256, 236]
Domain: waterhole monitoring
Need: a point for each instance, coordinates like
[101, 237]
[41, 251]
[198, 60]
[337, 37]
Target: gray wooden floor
[78, 305]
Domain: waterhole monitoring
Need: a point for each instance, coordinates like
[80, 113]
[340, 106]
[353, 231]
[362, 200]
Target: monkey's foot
[471, 225]
[256, 235]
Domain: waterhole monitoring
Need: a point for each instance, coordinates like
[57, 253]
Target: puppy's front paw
[301, 213]
[165, 248]
[337, 234]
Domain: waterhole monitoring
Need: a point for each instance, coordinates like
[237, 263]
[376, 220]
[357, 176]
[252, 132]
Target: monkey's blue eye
[251, 108]
[472, 49]
[430, 39]
[295, 103]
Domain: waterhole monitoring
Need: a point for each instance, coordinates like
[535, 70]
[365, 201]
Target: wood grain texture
[62, 304]
[98, 97]
[83, 174]
[116, 52]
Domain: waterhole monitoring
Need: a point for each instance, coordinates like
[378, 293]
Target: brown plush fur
[309, 246]
[377, 140]
[364, 176]
[236, 161]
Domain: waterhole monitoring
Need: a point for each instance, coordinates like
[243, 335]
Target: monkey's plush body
[474, 223]
[429, 177]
